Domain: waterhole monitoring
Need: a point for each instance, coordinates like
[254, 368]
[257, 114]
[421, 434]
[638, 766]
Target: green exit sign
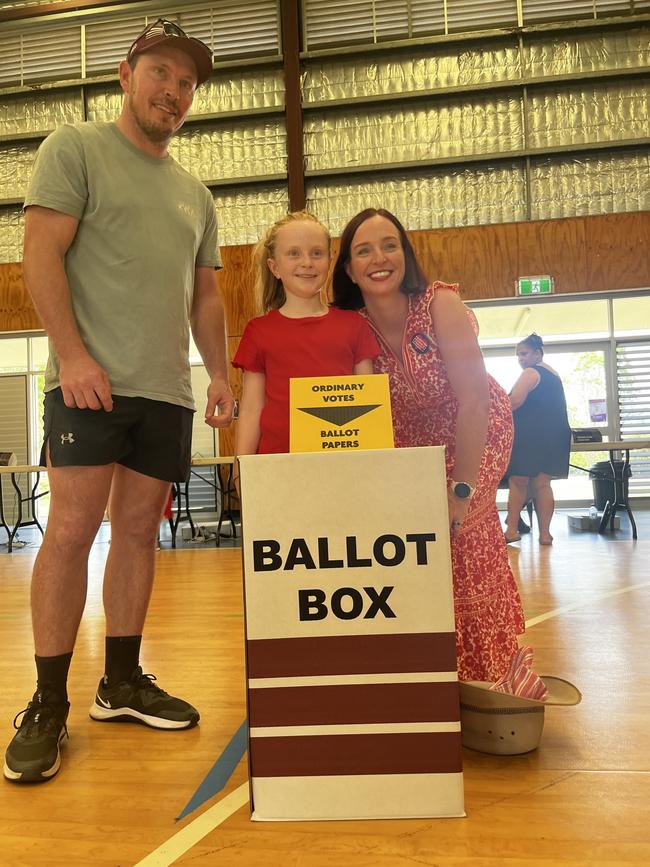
[540, 285]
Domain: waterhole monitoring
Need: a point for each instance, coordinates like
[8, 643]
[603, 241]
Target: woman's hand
[457, 511]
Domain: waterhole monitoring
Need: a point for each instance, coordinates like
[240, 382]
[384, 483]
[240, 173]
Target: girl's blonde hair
[268, 288]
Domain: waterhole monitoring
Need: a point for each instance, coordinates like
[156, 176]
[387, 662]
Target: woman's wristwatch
[462, 490]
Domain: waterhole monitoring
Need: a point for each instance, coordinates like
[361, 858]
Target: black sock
[122, 657]
[52, 673]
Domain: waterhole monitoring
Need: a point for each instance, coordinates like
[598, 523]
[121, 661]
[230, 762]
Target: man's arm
[48, 236]
[209, 331]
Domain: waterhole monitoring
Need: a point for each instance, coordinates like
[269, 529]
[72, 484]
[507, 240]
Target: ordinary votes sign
[337, 413]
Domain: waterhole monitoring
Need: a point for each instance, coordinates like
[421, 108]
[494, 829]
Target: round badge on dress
[421, 343]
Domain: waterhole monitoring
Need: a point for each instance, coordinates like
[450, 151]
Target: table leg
[625, 491]
[19, 522]
[230, 483]
[173, 523]
[226, 502]
[602, 527]
[621, 498]
[33, 499]
[3, 523]
[187, 507]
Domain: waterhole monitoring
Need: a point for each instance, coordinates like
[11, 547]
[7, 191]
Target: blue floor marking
[222, 770]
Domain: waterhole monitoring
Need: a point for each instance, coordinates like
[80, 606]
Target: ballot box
[352, 685]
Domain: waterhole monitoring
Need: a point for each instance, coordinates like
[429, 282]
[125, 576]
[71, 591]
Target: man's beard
[155, 132]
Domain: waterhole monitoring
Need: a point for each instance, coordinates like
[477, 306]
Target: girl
[299, 335]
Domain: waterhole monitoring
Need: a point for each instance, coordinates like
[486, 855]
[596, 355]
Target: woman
[542, 439]
[441, 395]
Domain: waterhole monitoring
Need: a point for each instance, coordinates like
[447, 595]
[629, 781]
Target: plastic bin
[600, 474]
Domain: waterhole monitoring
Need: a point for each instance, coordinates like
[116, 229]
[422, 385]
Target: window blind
[14, 437]
[633, 377]
[480, 15]
[39, 51]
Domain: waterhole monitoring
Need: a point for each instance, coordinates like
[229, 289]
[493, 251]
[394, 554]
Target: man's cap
[166, 32]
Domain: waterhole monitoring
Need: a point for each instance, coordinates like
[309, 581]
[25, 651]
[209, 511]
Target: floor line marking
[181, 842]
[177, 845]
[220, 773]
[577, 605]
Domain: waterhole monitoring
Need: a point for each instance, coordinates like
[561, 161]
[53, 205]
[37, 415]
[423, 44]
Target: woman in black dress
[540, 451]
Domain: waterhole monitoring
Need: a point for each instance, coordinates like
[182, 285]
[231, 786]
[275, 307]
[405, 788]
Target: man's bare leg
[59, 581]
[125, 693]
[137, 504]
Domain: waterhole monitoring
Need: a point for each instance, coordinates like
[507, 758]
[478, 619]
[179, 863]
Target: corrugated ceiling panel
[332, 23]
[335, 23]
[11, 234]
[108, 41]
[481, 15]
[10, 64]
[54, 53]
[613, 6]
[246, 213]
[234, 28]
[440, 199]
[542, 10]
[428, 17]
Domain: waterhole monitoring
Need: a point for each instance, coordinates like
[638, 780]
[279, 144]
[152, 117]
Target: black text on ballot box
[351, 662]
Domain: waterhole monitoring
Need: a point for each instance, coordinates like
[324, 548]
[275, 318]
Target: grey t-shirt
[145, 224]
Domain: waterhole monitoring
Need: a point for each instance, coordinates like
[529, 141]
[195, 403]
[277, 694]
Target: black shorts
[149, 436]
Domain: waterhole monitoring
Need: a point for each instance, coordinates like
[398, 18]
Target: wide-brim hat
[163, 32]
[507, 725]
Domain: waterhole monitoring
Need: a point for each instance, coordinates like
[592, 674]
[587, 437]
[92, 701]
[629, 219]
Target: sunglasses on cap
[162, 31]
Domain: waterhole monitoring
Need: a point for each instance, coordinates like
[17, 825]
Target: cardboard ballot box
[351, 663]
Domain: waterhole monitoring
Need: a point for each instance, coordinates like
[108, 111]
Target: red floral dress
[488, 609]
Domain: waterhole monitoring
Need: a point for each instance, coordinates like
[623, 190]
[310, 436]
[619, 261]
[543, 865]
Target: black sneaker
[33, 755]
[140, 700]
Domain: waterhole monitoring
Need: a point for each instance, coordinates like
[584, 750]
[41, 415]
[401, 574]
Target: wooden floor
[581, 799]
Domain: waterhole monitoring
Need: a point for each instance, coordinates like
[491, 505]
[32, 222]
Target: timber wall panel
[227, 436]
[618, 251]
[16, 310]
[584, 254]
[236, 285]
[483, 259]
[556, 247]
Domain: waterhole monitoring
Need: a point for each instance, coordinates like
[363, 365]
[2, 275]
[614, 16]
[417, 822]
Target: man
[120, 252]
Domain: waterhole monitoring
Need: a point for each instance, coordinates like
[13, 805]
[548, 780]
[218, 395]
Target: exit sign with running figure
[540, 285]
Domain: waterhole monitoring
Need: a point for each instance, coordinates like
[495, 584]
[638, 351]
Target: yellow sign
[335, 413]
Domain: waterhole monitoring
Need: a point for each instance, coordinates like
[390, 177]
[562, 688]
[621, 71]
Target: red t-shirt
[282, 348]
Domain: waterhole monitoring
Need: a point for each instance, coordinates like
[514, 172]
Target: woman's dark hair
[347, 294]
[533, 341]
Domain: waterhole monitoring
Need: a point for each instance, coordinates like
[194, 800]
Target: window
[631, 316]
[21, 399]
[556, 320]
[605, 369]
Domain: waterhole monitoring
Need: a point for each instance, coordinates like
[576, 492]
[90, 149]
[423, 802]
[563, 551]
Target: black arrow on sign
[338, 415]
